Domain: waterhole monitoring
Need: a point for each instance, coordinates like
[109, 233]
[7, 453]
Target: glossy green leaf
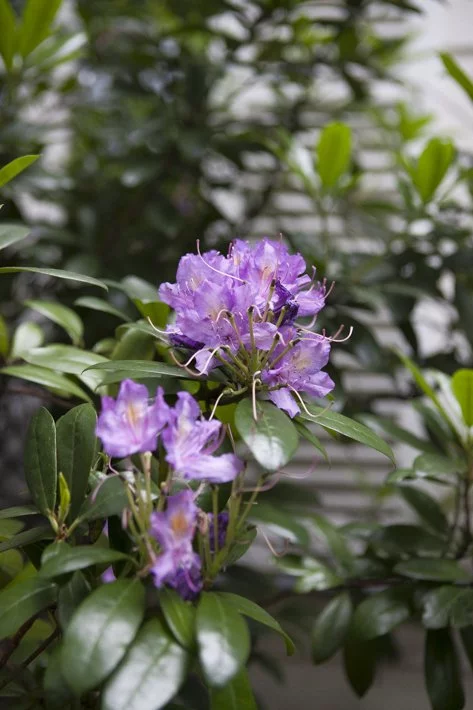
[466, 636]
[59, 695]
[62, 316]
[60, 558]
[100, 633]
[223, 639]
[253, 611]
[426, 508]
[109, 499]
[70, 596]
[401, 540]
[457, 73]
[435, 570]
[56, 273]
[10, 171]
[40, 461]
[98, 304]
[134, 345]
[420, 381]
[335, 541]
[442, 674]
[141, 369]
[236, 695]
[8, 34]
[47, 378]
[462, 386]
[331, 627]
[179, 616]
[311, 574]
[12, 233]
[23, 600]
[307, 434]
[67, 359]
[333, 153]
[27, 537]
[37, 18]
[438, 466]
[432, 167]
[272, 438]
[241, 545]
[388, 427]
[378, 615]
[18, 511]
[447, 605]
[348, 427]
[150, 675]
[137, 288]
[359, 660]
[76, 444]
[280, 522]
[26, 337]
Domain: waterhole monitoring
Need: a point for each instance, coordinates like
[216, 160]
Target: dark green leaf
[42, 376]
[109, 499]
[310, 436]
[378, 615]
[59, 695]
[27, 537]
[179, 616]
[223, 639]
[462, 386]
[360, 665]
[150, 675]
[457, 73]
[389, 427]
[38, 16]
[426, 508]
[331, 627]
[4, 338]
[241, 545]
[272, 438]
[11, 233]
[59, 558]
[100, 632]
[8, 34]
[98, 304]
[23, 600]
[434, 570]
[236, 695]
[40, 461]
[438, 466]
[57, 273]
[350, 428]
[333, 153]
[248, 608]
[280, 522]
[442, 676]
[411, 540]
[76, 443]
[67, 359]
[447, 605]
[141, 369]
[335, 541]
[7, 173]
[466, 635]
[311, 574]
[70, 596]
[18, 511]
[63, 316]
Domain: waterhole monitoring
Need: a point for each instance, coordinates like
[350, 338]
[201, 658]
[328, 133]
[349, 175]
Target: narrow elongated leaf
[314, 440]
[387, 426]
[100, 632]
[333, 153]
[462, 386]
[18, 511]
[335, 541]
[109, 499]
[76, 443]
[253, 611]
[378, 615]
[457, 73]
[40, 461]
[62, 315]
[438, 466]
[26, 337]
[331, 627]
[11, 233]
[432, 167]
[280, 522]
[21, 601]
[70, 596]
[151, 674]
[4, 337]
[442, 674]
[426, 508]
[272, 438]
[179, 616]
[27, 537]
[223, 639]
[8, 33]
[236, 695]
[38, 16]
[59, 558]
[8, 172]
[47, 378]
[435, 570]
[98, 304]
[141, 369]
[56, 273]
[350, 428]
[67, 359]
[359, 661]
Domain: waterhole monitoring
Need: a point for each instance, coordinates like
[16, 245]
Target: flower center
[179, 524]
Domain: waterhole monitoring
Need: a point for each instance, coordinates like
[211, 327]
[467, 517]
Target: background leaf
[236, 695]
[331, 627]
[37, 18]
[462, 386]
[23, 600]
[62, 315]
[15, 167]
[333, 153]
[40, 461]
[442, 676]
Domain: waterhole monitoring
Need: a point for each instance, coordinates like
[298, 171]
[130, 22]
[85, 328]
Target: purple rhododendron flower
[222, 525]
[178, 565]
[190, 441]
[130, 424]
[108, 576]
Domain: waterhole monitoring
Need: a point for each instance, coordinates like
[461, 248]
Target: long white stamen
[158, 330]
[266, 487]
[272, 549]
[217, 271]
[180, 364]
[342, 340]
[214, 408]
[209, 359]
[253, 393]
[303, 405]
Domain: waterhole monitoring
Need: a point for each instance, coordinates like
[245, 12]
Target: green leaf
[70, 596]
[26, 337]
[67, 359]
[378, 615]
[253, 611]
[10, 171]
[141, 369]
[426, 508]
[438, 466]
[8, 33]
[434, 570]
[335, 541]
[59, 695]
[272, 438]
[401, 540]
[333, 153]
[466, 635]
[17, 511]
[387, 426]
[432, 167]
[151, 674]
[310, 436]
[21, 601]
[331, 627]
[241, 545]
[42, 532]
[38, 16]
[139, 289]
[359, 660]
[100, 632]
[179, 616]
[311, 574]
[109, 499]
[223, 639]
[236, 695]
[62, 315]
[40, 461]
[4, 338]
[11, 233]
[280, 522]
[462, 386]
[57, 273]
[421, 382]
[98, 304]
[447, 605]
[134, 345]
[59, 558]
[457, 73]
[47, 378]
[350, 428]
[76, 444]
[442, 675]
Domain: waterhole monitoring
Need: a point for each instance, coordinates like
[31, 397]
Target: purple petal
[284, 399]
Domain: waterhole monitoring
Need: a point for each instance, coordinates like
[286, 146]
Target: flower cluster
[239, 312]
